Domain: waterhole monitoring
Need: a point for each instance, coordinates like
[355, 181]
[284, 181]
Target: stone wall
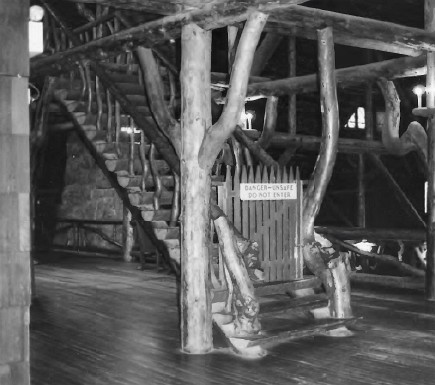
[87, 195]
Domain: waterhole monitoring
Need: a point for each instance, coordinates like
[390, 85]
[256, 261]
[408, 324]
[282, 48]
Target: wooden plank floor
[103, 322]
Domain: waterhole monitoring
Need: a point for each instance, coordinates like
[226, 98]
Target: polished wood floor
[101, 322]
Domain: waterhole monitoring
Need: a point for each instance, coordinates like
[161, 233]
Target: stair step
[83, 118]
[138, 100]
[307, 302]
[95, 135]
[115, 165]
[73, 90]
[130, 181]
[271, 337]
[119, 77]
[115, 67]
[122, 150]
[156, 215]
[269, 288]
[173, 247]
[131, 88]
[165, 232]
[146, 198]
[81, 106]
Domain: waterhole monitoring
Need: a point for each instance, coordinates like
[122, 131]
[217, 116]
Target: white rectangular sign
[267, 191]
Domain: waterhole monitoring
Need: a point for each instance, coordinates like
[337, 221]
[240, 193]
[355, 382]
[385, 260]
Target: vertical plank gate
[274, 224]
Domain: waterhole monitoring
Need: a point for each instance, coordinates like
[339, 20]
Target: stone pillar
[14, 194]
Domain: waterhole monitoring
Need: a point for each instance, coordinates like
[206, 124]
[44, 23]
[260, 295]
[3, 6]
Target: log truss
[286, 17]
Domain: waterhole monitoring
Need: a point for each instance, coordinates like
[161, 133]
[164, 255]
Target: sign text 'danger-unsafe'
[267, 191]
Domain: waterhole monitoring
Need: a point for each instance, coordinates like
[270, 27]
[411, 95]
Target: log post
[319, 255]
[127, 235]
[361, 217]
[196, 316]
[15, 240]
[429, 13]
[288, 153]
[368, 105]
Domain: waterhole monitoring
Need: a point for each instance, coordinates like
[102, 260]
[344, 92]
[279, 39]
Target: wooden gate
[274, 224]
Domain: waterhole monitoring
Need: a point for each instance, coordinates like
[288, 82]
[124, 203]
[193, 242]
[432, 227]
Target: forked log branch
[413, 139]
[155, 96]
[224, 127]
[254, 148]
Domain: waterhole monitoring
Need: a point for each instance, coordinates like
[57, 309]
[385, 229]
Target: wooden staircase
[130, 160]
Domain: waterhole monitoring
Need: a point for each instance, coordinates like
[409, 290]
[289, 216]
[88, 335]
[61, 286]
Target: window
[357, 119]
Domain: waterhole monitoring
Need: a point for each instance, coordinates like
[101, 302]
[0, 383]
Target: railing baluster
[47, 35]
[132, 145]
[175, 210]
[85, 12]
[55, 36]
[83, 79]
[117, 125]
[173, 92]
[109, 116]
[99, 102]
[63, 41]
[88, 87]
[143, 161]
[156, 176]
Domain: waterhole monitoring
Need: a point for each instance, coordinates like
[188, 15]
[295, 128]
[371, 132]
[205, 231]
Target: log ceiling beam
[160, 7]
[352, 30]
[158, 31]
[168, 7]
[389, 69]
[312, 143]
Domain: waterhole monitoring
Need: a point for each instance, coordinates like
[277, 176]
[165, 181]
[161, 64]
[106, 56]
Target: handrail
[108, 22]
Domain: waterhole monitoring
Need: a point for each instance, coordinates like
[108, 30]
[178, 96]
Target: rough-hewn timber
[354, 31]
[389, 69]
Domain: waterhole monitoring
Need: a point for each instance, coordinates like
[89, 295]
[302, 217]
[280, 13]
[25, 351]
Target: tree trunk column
[430, 102]
[196, 316]
[14, 194]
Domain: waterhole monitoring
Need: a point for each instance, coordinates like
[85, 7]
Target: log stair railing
[148, 183]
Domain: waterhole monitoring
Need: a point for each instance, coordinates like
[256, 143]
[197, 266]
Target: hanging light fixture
[419, 90]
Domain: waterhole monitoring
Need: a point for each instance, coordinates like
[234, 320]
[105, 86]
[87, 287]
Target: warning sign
[267, 191]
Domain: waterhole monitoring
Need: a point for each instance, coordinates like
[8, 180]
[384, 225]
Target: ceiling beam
[168, 7]
[352, 30]
[157, 32]
[345, 145]
[389, 69]
[160, 7]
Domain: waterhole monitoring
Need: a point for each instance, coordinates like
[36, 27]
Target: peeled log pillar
[196, 316]
[319, 255]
